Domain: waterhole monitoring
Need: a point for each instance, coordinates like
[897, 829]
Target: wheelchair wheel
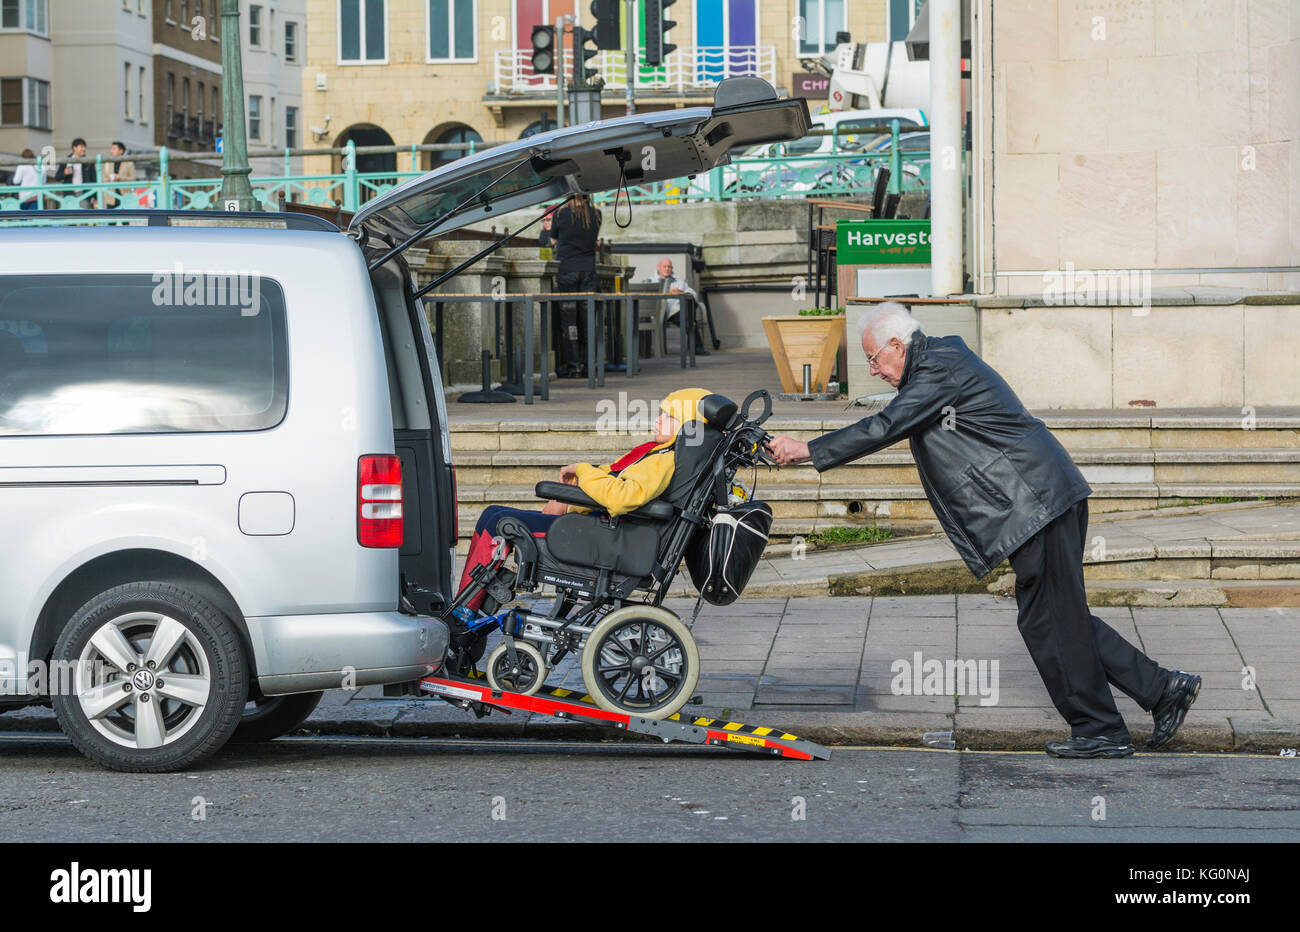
[527, 678]
[641, 660]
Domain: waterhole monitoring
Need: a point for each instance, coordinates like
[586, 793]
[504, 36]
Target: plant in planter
[812, 337]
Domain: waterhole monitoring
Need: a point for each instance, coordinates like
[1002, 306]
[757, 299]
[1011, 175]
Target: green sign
[882, 242]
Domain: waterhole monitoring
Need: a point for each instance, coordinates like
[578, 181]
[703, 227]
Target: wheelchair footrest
[574, 706]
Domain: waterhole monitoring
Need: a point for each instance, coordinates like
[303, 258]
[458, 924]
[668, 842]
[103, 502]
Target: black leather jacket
[993, 472]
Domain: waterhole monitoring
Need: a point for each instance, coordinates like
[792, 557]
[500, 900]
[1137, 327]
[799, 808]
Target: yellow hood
[684, 406]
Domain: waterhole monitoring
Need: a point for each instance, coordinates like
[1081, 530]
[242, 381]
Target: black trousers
[1077, 654]
[571, 318]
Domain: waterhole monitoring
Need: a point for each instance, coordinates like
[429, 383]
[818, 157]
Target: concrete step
[804, 508]
[1121, 465]
[628, 423]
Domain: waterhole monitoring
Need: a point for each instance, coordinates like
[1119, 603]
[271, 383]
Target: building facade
[26, 77]
[274, 50]
[187, 81]
[1136, 209]
[384, 72]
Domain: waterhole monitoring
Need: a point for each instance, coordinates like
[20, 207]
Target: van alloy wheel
[142, 680]
[149, 677]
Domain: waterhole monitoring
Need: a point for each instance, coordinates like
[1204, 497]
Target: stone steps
[803, 508]
[1133, 461]
[1121, 465]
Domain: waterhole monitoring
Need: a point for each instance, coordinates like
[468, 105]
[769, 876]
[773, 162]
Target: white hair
[887, 321]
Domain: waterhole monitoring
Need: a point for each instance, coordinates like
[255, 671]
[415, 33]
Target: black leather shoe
[1091, 747]
[1180, 692]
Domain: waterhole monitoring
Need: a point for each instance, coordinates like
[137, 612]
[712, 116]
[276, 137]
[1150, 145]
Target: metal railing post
[351, 190]
[895, 159]
[165, 183]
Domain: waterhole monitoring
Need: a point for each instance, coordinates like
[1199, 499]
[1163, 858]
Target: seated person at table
[633, 480]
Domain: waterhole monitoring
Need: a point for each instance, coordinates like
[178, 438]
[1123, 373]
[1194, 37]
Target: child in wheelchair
[610, 542]
[634, 479]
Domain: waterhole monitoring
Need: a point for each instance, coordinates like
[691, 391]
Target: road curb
[1243, 733]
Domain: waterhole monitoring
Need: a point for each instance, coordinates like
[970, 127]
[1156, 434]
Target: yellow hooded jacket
[646, 479]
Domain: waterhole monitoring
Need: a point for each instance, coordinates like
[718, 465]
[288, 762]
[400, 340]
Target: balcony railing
[683, 70]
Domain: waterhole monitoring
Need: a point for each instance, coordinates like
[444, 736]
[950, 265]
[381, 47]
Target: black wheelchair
[610, 575]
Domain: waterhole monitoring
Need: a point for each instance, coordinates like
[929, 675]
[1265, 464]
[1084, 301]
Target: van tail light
[379, 501]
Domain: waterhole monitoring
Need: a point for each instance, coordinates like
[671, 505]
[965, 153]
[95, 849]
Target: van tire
[274, 716]
[106, 645]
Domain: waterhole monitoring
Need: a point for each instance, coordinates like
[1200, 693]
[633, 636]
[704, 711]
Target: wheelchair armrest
[569, 494]
[657, 510]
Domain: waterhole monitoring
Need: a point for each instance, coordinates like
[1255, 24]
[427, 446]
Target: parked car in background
[760, 171]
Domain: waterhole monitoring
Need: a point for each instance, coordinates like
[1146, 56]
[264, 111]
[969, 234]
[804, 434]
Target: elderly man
[1003, 487]
[673, 308]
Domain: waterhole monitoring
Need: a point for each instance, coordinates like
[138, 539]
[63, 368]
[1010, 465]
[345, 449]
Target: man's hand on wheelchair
[569, 474]
[787, 451]
[555, 508]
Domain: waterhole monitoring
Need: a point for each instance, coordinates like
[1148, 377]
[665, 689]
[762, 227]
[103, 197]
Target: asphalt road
[395, 789]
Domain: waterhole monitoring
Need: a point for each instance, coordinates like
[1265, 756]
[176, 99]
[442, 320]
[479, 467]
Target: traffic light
[656, 30]
[582, 75]
[606, 31]
[543, 50]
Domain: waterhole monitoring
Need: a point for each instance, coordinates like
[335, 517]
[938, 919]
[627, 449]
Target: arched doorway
[366, 134]
[449, 133]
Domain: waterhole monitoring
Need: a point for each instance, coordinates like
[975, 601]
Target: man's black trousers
[1077, 654]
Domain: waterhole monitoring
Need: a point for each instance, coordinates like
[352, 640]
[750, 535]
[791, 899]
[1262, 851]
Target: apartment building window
[126, 89]
[291, 127]
[214, 22]
[270, 122]
[38, 103]
[255, 117]
[450, 25]
[270, 34]
[144, 114]
[25, 102]
[171, 103]
[216, 106]
[290, 41]
[363, 31]
[28, 15]
[203, 92]
[11, 102]
[169, 11]
[821, 20]
[185, 9]
[255, 26]
[185, 109]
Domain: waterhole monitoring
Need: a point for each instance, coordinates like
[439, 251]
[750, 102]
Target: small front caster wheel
[526, 676]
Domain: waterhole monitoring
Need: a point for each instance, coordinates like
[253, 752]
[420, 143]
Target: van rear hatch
[590, 158]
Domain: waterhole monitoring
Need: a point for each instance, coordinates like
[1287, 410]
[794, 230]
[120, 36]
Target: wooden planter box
[798, 340]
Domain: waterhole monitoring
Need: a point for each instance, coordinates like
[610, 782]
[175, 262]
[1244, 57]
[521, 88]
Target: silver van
[225, 472]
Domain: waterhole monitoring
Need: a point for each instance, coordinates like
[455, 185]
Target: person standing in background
[575, 228]
[117, 170]
[27, 179]
[77, 173]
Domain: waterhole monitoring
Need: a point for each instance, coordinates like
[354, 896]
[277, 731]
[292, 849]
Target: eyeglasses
[871, 360]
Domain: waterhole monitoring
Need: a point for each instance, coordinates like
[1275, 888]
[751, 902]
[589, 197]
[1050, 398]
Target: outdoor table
[595, 332]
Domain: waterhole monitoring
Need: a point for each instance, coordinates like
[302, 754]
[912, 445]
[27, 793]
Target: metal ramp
[477, 696]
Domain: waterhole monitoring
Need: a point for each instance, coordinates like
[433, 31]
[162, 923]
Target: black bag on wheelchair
[722, 559]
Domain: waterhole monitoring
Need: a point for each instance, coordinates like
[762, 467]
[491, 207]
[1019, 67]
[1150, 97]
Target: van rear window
[173, 352]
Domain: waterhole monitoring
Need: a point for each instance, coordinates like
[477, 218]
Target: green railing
[841, 174]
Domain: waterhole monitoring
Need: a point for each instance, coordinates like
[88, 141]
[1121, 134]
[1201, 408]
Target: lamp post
[236, 192]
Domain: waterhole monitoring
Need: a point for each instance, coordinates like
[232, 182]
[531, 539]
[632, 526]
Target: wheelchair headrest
[716, 410]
